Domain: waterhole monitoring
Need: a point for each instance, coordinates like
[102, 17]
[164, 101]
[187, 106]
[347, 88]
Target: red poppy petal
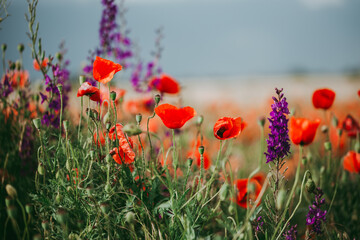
[104, 70]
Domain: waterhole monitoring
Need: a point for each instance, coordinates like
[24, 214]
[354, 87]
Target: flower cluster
[5, 87]
[316, 216]
[278, 142]
[291, 233]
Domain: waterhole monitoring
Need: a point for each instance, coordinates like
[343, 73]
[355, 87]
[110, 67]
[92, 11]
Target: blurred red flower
[174, 117]
[17, 78]
[89, 90]
[227, 127]
[351, 126]
[104, 70]
[43, 64]
[125, 146]
[352, 162]
[244, 192]
[323, 98]
[302, 130]
[165, 84]
[101, 139]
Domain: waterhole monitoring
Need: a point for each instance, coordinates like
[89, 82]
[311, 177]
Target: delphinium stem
[61, 112]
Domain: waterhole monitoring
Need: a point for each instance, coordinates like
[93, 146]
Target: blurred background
[244, 48]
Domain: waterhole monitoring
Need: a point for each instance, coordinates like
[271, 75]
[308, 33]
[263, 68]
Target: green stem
[81, 114]
[61, 111]
[26, 233]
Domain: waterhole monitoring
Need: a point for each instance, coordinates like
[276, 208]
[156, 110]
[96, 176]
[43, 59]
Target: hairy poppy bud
[108, 126]
[105, 208]
[58, 198]
[334, 121]
[112, 95]
[61, 215]
[131, 129]
[310, 185]
[261, 121]
[11, 211]
[68, 164]
[138, 118]
[66, 125]
[8, 201]
[29, 208]
[231, 209]
[327, 146]
[60, 87]
[59, 56]
[89, 190]
[108, 158]
[108, 188]
[224, 190]
[45, 225]
[20, 47]
[200, 120]
[130, 217]
[157, 99]
[201, 150]
[11, 191]
[324, 129]
[18, 65]
[82, 79]
[199, 197]
[37, 123]
[3, 47]
[41, 169]
[189, 162]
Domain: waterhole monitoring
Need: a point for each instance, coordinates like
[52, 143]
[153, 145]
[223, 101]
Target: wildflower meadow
[82, 158]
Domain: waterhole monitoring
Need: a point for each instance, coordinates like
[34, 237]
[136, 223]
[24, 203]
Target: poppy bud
[37, 123]
[8, 201]
[12, 66]
[138, 118]
[310, 185]
[200, 120]
[131, 129]
[327, 146]
[189, 162]
[59, 56]
[82, 79]
[280, 199]
[157, 99]
[60, 87]
[231, 209]
[37, 237]
[324, 129]
[61, 215]
[199, 197]
[58, 198]
[11, 191]
[106, 117]
[11, 211]
[201, 150]
[108, 188]
[68, 164]
[66, 125]
[18, 65]
[45, 225]
[224, 190]
[89, 190]
[130, 217]
[3, 47]
[334, 121]
[108, 158]
[41, 169]
[29, 208]
[261, 121]
[20, 47]
[112, 95]
[92, 154]
[105, 208]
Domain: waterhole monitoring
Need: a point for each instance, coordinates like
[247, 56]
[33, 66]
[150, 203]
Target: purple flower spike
[316, 216]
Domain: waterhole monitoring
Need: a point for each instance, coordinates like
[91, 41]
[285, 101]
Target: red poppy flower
[323, 98]
[104, 70]
[253, 190]
[17, 78]
[302, 131]
[165, 84]
[351, 126]
[174, 117]
[352, 162]
[359, 93]
[125, 146]
[89, 90]
[101, 140]
[43, 64]
[227, 127]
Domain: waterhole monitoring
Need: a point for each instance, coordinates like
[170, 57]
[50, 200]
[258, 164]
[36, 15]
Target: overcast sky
[208, 37]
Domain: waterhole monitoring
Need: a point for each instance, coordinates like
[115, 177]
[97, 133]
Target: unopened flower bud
[334, 121]
[304, 161]
[89, 190]
[138, 118]
[29, 208]
[12, 66]
[58, 198]
[68, 164]
[37, 123]
[261, 121]
[231, 209]
[45, 225]
[41, 169]
[105, 208]
[224, 190]
[189, 162]
[20, 47]
[112, 95]
[327, 146]
[66, 125]
[324, 129]
[18, 65]
[107, 117]
[281, 197]
[322, 170]
[59, 56]
[339, 132]
[60, 87]
[108, 187]
[130, 217]
[12, 211]
[157, 99]
[131, 129]
[8, 201]
[198, 197]
[11, 191]
[92, 154]
[61, 215]
[201, 150]
[200, 120]
[310, 185]
[3, 47]
[108, 158]
[82, 79]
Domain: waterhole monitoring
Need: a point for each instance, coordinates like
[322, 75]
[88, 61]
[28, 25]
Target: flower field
[87, 158]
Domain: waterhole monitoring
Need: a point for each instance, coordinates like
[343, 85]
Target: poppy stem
[60, 123]
[175, 160]
[81, 114]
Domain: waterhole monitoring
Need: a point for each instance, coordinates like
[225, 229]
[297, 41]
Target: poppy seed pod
[131, 129]
[324, 129]
[310, 185]
[82, 79]
[61, 215]
[45, 225]
[261, 121]
[59, 56]
[11, 191]
[130, 217]
[60, 87]
[327, 146]
[108, 158]
[41, 169]
[334, 121]
[3, 47]
[12, 211]
[37, 123]
[201, 150]
[138, 118]
[18, 65]
[12, 66]
[189, 162]
[112, 95]
[20, 47]
[198, 197]
[157, 99]
[105, 208]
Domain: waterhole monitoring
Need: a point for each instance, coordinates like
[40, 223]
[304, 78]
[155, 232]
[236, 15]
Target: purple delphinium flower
[291, 233]
[316, 216]
[5, 87]
[278, 142]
